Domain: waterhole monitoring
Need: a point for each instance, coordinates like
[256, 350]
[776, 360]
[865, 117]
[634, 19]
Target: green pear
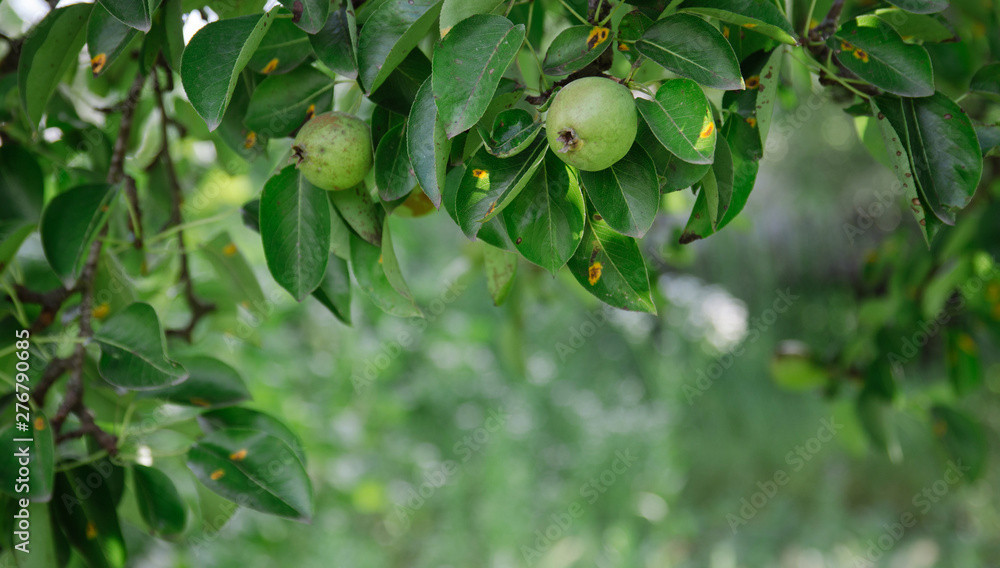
[334, 150]
[592, 123]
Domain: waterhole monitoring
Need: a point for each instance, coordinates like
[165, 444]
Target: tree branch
[198, 308]
[51, 302]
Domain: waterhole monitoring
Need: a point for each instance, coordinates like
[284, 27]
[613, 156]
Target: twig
[107, 441]
[55, 369]
[199, 309]
[51, 302]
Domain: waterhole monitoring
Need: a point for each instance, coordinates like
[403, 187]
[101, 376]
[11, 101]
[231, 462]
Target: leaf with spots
[295, 230]
[920, 27]
[245, 418]
[107, 38]
[48, 53]
[627, 194]
[233, 269]
[575, 48]
[336, 45]
[283, 48]
[256, 470]
[610, 266]
[394, 176]
[91, 524]
[759, 15]
[744, 152]
[468, 65]
[692, 48]
[133, 351]
[310, 15]
[392, 31]
[545, 221]
[630, 30]
[874, 51]
[429, 160]
[281, 104]
[490, 184]
[41, 459]
[160, 505]
[362, 215]
[681, 119]
[210, 383]
[213, 59]
[513, 132]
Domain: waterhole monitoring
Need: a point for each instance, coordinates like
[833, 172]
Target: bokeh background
[553, 432]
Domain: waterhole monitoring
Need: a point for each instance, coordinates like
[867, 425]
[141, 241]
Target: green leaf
[630, 30]
[989, 137]
[87, 514]
[283, 48]
[759, 15]
[429, 161]
[874, 51]
[295, 230]
[963, 438]
[336, 45]
[692, 48]
[107, 38]
[921, 27]
[681, 119]
[513, 132]
[920, 6]
[699, 225]
[399, 90]
[454, 11]
[12, 236]
[22, 185]
[70, 223]
[310, 15]
[468, 65]
[390, 33]
[390, 264]
[490, 183]
[965, 371]
[743, 148]
[245, 418]
[987, 81]
[575, 48]
[627, 194]
[767, 93]
[501, 269]
[133, 351]
[942, 147]
[340, 235]
[41, 460]
[232, 267]
[545, 221]
[282, 103]
[609, 266]
[394, 177]
[248, 144]
[899, 159]
[160, 505]
[213, 60]
[48, 52]
[672, 172]
[372, 269]
[136, 14]
[334, 291]
[255, 469]
[356, 207]
[210, 383]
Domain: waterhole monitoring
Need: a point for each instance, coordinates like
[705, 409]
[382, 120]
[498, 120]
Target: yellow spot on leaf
[238, 456]
[623, 47]
[39, 423]
[217, 475]
[749, 26]
[480, 174]
[445, 31]
[940, 428]
[845, 46]
[310, 112]
[813, 23]
[98, 62]
[492, 207]
[380, 259]
[752, 122]
[725, 32]
[101, 311]
[271, 66]
[597, 36]
[594, 273]
[966, 343]
[91, 530]
[200, 402]
[229, 250]
[753, 82]
[251, 140]
[861, 54]
[978, 30]
[708, 129]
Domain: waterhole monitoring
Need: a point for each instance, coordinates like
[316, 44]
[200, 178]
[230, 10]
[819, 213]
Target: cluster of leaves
[456, 92]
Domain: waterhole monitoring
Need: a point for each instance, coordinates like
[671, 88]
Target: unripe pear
[334, 150]
[592, 123]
